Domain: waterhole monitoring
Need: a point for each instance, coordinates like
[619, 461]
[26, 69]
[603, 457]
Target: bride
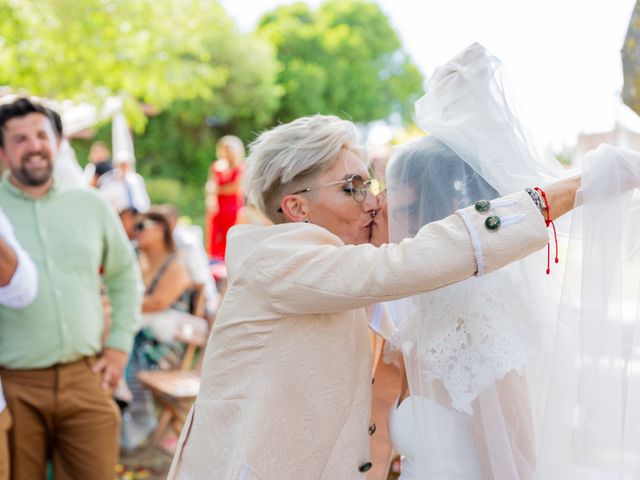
[484, 377]
[465, 347]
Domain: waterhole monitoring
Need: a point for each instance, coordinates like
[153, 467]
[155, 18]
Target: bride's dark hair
[440, 180]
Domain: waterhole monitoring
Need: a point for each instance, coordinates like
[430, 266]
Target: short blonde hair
[281, 159]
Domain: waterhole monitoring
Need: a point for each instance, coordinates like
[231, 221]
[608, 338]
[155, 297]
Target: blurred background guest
[165, 276]
[122, 186]
[99, 163]
[224, 195]
[126, 193]
[167, 298]
[190, 247]
[123, 180]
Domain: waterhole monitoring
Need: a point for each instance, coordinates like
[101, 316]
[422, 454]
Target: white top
[66, 169]
[190, 246]
[23, 287]
[124, 192]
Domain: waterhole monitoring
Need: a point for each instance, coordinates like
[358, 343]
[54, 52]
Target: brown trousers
[61, 413]
[5, 425]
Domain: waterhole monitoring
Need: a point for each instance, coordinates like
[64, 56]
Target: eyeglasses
[144, 224]
[354, 185]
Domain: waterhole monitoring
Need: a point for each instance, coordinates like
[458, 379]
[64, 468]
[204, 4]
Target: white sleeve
[195, 259]
[23, 286]
[195, 263]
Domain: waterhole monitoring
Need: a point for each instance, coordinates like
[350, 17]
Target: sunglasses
[144, 225]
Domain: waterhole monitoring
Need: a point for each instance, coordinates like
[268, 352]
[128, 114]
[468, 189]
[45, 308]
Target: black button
[365, 467]
[483, 205]
[493, 222]
[372, 428]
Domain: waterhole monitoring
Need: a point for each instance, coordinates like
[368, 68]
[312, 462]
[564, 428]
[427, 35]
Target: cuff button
[493, 222]
[483, 205]
[365, 467]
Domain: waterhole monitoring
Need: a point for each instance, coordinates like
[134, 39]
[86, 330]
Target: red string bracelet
[548, 222]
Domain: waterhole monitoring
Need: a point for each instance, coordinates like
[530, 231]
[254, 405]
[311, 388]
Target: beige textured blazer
[286, 381]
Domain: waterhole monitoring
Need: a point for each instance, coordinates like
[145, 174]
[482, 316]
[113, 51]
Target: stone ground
[144, 463]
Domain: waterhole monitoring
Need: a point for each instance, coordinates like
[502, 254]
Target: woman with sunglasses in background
[166, 279]
[286, 380]
[166, 301]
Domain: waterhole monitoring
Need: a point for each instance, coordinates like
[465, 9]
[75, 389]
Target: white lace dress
[456, 343]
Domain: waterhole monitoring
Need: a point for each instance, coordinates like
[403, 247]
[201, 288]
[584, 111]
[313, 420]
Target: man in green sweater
[57, 373]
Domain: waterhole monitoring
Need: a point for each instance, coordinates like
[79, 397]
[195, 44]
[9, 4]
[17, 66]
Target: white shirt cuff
[23, 286]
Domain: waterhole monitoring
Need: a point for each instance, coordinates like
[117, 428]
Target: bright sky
[563, 56]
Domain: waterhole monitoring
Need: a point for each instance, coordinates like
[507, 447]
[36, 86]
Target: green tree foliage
[343, 58]
[180, 142]
[143, 50]
[185, 58]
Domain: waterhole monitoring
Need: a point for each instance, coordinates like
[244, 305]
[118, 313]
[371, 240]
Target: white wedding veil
[591, 429]
[487, 358]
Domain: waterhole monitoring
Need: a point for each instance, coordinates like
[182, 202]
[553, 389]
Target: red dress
[225, 218]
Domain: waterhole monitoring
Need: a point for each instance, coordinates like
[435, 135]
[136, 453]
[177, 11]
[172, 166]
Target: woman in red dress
[224, 193]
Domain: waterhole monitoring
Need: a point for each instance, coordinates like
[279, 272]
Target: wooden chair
[191, 341]
[175, 390]
[197, 303]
